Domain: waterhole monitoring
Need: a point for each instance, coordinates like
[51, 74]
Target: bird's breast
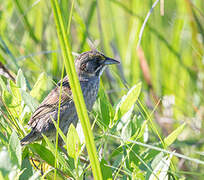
[90, 91]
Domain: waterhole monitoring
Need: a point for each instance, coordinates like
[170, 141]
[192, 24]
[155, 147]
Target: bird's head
[92, 63]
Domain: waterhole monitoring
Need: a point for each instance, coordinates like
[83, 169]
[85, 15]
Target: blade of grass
[76, 90]
[159, 36]
[87, 24]
[159, 149]
[5, 48]
[145, 22]
[70, 18]
[58, 118]
[25, 20]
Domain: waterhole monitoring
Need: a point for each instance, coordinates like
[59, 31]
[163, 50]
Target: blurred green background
[169, 61]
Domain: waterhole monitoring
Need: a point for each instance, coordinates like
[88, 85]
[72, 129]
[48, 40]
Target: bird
[89, 67]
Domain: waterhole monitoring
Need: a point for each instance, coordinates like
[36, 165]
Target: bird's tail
[32, 136]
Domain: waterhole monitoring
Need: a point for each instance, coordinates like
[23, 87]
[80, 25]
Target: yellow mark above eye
[102, 57]
[96, 56]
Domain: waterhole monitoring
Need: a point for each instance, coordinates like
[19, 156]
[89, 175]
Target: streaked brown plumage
[89, 66]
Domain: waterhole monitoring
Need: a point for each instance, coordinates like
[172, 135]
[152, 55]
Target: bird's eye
[98, 58]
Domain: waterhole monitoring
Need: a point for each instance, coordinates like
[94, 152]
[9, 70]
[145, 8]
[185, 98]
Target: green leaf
[2, 59]
[157, 159]
[127, 101]
[69, 167]
[44, 153]
[172, 137]
[7, 98]
[73, 142]
[137, 173]
[20, 80]
[127, 130]
[5, 162]
[15, 148]
[15, 92]
[125, 120]
[29, 100]
[13, 101]
[40, 87]
[2, 83]
[160, 171]
[140, 131]
[106, 171]
[3, 138]
[132, 157]
[26, 168]
[105, 108]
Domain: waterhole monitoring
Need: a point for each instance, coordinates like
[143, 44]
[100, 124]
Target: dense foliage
[147, 121]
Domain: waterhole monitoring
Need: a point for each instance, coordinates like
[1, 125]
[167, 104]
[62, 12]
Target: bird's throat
[99, 70]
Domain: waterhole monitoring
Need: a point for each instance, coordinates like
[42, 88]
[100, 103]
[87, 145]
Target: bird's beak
[109, 61]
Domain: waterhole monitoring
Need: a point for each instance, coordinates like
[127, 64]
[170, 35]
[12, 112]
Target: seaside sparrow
[89, 66]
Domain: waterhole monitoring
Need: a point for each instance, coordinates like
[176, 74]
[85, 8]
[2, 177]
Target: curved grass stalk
[76, 90]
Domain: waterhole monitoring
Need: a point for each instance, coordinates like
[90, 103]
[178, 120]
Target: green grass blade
[76, 90]
[25, 20]
[173, 136]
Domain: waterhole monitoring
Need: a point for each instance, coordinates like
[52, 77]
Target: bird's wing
[51, 102]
